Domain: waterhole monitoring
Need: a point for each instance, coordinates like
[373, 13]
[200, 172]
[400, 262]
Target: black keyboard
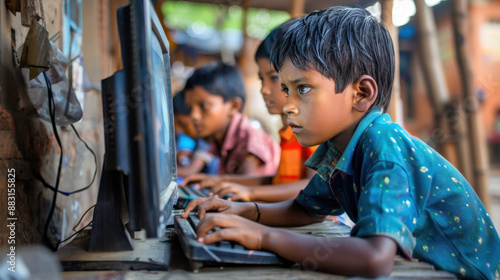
[223, 252]
[191, 191]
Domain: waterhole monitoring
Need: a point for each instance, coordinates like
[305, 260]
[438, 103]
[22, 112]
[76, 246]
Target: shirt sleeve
[318, 199]
[261, 145]
[385, 206]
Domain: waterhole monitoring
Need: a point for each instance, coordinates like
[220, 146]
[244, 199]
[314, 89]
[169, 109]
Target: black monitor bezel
[148, 208]
[129, 191]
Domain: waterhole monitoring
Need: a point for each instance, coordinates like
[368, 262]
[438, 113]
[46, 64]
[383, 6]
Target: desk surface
[73, 254]
[402, 270]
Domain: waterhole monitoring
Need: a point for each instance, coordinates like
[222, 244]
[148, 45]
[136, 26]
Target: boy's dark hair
[265, 47]
[342, 44]
[219, 79]
[179, 104]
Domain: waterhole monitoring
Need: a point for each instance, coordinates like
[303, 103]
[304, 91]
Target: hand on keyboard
[213, 204]
[233, 191]
[193, 179]
[202, 181]
[232, 228]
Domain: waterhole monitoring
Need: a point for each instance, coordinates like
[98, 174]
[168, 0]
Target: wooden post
[395, 107]
[246, 46]
[432, 68]
[104, 35]
[477, 141]
[455, 120]
[296, 8]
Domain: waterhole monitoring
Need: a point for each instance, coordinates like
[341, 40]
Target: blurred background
[448, 60]
[447, 86]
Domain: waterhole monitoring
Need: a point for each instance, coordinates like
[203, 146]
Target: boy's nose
[290, 107]
[195, 114]
[264, 90]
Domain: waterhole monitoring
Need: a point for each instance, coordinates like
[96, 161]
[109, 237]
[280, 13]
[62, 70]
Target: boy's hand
[202, 181]
[191, 179]
[240, 192]
[234, 228]
[210, 204]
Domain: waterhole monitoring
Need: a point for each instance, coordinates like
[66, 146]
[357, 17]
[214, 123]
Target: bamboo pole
[432, 69]
[431, 61]
[395, 109]
[477, 141]
[296, 8]
[455, 119]
[448, 120]
[246, 46]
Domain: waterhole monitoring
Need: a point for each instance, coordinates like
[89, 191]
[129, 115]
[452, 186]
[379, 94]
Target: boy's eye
[204, 106]
[284, 89]
[303, 89]
[275, 78]
[260, 78]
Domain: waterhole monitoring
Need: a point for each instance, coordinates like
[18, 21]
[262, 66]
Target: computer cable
[56, 135]
[83, 215]
[74, 228]
[39, 177]
[71, 236]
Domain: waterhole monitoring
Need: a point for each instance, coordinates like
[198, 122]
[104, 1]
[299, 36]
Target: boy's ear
[366, 93]
[236, 104]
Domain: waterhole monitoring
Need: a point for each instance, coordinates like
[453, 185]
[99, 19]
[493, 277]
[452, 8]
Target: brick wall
[28, 145]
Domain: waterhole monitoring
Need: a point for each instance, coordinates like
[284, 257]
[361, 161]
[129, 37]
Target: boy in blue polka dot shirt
[337, 67]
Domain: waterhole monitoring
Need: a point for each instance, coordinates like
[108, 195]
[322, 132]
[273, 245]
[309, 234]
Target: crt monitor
[139, 175]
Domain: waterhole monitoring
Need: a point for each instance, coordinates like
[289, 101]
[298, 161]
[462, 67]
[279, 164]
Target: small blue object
[185, 142]
[179, 180]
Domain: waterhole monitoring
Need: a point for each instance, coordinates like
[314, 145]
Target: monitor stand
[108, 246]
[150, 254]
[109, 233]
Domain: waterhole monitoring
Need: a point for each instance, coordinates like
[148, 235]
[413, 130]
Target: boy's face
[314, 111]
[271, 87]
[209, 113]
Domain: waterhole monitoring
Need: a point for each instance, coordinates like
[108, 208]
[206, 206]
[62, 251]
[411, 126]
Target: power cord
[55, 188]
[74, 228]
[56, 135]
[39, 177]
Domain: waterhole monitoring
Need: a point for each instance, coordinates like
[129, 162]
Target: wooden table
[151, 253]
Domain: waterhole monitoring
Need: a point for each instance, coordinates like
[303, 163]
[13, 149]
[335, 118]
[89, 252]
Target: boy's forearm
[276, 193]
[193, 168]
[369, 257]
[278, 214]
[249, 180]
[285, 213]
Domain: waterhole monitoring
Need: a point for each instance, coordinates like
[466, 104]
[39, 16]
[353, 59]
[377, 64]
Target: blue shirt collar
[326, 159]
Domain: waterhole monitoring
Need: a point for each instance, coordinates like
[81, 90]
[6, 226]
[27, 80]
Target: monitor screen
[163, 129]
[139, 179]
[146, 60]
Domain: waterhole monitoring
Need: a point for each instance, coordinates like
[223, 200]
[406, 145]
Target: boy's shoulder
[242, 132]
[383, 130]
[241, 125]
[381, 125]
[386, 140]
